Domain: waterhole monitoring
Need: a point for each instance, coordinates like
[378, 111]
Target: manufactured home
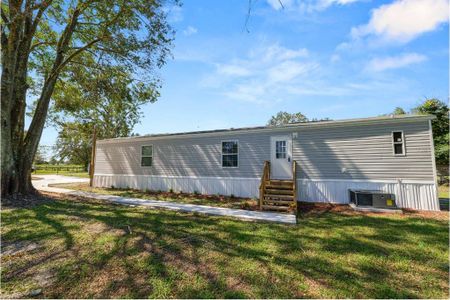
[323, 160]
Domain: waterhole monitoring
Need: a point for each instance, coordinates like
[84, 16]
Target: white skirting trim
[239, 187]
[415, 195]
[420, 196]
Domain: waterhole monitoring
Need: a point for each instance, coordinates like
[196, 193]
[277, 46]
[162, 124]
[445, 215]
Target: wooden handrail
[294, 183]
[264, 177]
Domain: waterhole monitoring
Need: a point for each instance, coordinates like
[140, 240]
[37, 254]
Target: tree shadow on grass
[168, 254]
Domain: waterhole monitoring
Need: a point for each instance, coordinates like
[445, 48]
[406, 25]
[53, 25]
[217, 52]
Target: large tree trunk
[18, 159]
[17, 150]
[10, 61]
[15, 54]
[15, 174]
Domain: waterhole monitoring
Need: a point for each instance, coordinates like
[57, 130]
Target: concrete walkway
[43, 183]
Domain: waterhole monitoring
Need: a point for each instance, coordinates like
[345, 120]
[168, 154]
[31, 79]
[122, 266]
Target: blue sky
[325, 58]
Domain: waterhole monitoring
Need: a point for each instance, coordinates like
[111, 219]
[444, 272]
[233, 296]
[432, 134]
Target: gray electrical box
[371, 198]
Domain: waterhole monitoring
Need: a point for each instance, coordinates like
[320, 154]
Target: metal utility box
[378, 199]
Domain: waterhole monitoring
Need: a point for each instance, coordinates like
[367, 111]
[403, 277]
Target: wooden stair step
[274, 196]
[271, 207]
[278, 194]
[279, 187]
[279, 182]
[284, 202]
[280, 191]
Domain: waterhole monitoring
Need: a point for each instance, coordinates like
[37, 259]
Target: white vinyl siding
[364, 151]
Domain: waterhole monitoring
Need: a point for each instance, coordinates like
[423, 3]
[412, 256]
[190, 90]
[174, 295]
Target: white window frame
[222, 154]
[152, 156]
[394, 143]
[286, 150]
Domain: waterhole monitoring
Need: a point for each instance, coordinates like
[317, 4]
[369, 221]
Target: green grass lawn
[87, 249]
[191, 198]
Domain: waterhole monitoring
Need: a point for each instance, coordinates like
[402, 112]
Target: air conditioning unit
[378, 199]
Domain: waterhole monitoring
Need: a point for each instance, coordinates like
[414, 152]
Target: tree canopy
[106, 98]
[440, 127]
[399, 111]
[283, 118]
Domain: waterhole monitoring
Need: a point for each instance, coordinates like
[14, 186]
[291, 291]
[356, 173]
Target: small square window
[147, 150]
[229, 147]
[398, 137]
[146, 161]
[229, 161]
[398, 149]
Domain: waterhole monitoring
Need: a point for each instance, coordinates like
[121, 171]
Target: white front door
[281, 157]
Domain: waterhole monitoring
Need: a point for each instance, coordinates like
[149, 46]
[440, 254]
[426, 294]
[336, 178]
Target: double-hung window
[230, 154]
[398, 142]
[146, 156]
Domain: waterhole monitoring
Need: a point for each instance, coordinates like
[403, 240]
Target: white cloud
[278, 53]
[289, 70]
[267, 76]
[190, 30]
[323, 4]
[404, 20]
[232, 70]
[279, 4]
[395, 62]
[263, 75]
[335, 58]
[252, 91]
[307, 5]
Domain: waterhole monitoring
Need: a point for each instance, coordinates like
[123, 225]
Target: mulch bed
[246, 203]
[321, 208]
[438, 215]
[309, 208]
[174, 195]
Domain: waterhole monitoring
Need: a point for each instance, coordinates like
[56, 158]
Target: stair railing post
[294, 183]
[264, 178]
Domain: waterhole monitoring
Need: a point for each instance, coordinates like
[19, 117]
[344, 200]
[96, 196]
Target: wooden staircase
[275, 194]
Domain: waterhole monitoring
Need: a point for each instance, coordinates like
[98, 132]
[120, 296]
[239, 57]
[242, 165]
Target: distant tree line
[283, 118]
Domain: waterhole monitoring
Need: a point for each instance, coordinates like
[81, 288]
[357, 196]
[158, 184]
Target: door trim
[289, 149]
